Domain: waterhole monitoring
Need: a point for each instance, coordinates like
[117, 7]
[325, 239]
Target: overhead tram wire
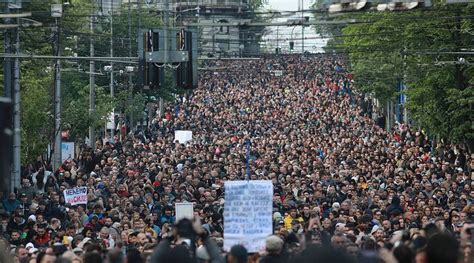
[264, 40]
[375, 19]
[265, 37]
[281, 35]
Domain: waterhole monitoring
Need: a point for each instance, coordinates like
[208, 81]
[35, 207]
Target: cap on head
[273, 244]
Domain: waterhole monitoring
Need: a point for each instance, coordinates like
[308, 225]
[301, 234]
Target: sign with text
[247, 214]
[184, 210]
[76, 196]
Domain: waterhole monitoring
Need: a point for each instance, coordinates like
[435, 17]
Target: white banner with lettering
[76, 196]
[248, 214]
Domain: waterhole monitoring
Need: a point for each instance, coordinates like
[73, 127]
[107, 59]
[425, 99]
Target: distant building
[108, 5]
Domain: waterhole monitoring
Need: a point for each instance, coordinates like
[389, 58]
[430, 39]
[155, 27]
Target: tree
[76, 116]
[36, 114]
[421, 49]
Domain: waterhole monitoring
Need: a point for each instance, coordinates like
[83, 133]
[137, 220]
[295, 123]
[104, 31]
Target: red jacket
[42, 241]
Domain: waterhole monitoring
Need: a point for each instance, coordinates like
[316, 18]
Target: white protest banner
[76, 196]
[67, 151]
[183, 136]
[247, 214]
[184, 210]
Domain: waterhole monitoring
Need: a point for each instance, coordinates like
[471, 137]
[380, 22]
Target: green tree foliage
[254, 5]
[36, 115]
[375, 53]
[130, 103]
[76, 115]
[418, 48]
[37, 83]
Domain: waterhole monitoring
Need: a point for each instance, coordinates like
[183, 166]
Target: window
[223, 29]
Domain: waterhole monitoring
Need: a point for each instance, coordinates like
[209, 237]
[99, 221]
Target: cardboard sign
[111, 121]
[184, 210]
[183, 136]
[248, 214]
[76, 196]
[67, 151]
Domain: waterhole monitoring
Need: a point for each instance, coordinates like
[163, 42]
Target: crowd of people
[345, 189]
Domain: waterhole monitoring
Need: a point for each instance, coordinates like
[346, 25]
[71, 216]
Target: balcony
[221, 4]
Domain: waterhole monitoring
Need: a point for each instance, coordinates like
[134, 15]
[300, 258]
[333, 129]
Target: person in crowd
[345, 189]
[273, 249]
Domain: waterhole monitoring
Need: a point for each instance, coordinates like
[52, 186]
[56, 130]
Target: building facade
[214, 40]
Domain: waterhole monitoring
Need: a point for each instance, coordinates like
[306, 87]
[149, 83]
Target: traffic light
[151, 74]
[186, 72]
[180, 41]
[180, 55]
[6, 139]
[292, 45]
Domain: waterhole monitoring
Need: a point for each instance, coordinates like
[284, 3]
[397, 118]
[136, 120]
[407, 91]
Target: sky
[287, 5]
[284, 35]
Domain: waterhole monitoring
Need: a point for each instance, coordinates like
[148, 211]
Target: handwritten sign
[247, 214]
[184, 210]
[76, 196]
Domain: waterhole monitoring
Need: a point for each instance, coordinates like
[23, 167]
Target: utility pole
[56, 12]
[139, 8]
[57, 100]
[166, 46]
[302, 27]
[16, 169]
[404, 87]
[7, 62]
[7, 86]
[92, 80]
[278, 38]
[112, 91]
[130, 86]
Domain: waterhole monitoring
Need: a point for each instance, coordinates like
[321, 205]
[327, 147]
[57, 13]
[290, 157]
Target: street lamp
[292, 41]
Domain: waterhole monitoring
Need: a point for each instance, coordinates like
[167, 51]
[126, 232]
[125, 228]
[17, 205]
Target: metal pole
[92, 80]
[7, 62]
[160, 107]
[278, 38]
[6, 155]
[404, 87]
[16, 169]
[139, 8]
[292, 39]
[166, 45]
[130, 86]
[112, 91]
[302, 27]
[57, 100]
[247, 163]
